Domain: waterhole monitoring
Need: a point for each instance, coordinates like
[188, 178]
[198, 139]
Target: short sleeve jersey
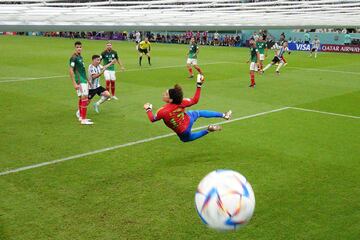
[77, 64]
[253, 54]
[94, 81]
[192, 51]
[144, 45]
[261, 47]
[107, 57]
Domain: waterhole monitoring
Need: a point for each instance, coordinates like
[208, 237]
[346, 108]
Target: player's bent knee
[184, 139]
[106, 94]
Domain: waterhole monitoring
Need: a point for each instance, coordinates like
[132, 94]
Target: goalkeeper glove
[200, 80]
[149, 107]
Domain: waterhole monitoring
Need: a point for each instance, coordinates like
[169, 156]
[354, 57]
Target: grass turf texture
[303, 166]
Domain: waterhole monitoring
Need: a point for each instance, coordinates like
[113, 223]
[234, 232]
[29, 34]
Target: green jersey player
[78, 76]
[108, 56]
[254, 62]
[261, 46]
[192, 58]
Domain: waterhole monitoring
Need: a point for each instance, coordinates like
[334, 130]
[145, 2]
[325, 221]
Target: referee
[144, 48]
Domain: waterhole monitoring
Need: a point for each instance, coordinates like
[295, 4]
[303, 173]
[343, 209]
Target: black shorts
[142, 50]
[276, 59]
[313, 49]
[98, 91]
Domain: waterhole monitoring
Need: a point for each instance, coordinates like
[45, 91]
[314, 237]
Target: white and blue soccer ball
[225, 200]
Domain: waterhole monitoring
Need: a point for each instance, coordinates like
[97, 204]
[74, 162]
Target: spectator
[307, 37]
[347, 39]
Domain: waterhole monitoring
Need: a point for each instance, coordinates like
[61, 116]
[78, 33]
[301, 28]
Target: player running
[254, 62]
[144, 47]
[315, 46]
[108, 56]
[278, 58]
[261, 46]
[80, 83]
[180, 121]
[192, 58]
[95, 70]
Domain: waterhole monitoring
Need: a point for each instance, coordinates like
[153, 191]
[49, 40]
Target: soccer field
[296, 138]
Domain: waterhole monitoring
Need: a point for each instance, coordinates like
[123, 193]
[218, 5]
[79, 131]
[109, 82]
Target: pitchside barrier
[325, 47]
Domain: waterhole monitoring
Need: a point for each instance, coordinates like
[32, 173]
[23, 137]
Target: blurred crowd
[203, 38]
[234, 39]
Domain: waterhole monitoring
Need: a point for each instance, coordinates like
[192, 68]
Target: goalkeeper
[180, 121]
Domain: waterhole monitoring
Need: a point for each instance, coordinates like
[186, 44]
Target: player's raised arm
[151, 116]
[187, 102]
[108, 65]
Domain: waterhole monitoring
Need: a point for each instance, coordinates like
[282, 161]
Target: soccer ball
[225, 200]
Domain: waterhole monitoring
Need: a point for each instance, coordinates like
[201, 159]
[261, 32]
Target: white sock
[269, 65]
[280, 65]
[102, 99]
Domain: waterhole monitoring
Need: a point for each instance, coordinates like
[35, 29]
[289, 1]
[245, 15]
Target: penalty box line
[323, 112]
[165, 136]
[21, 169]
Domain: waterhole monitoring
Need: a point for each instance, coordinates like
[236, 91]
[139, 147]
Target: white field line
[323, 70]
[313, 69]
[322, 112]
[21, 79]
[127, 144]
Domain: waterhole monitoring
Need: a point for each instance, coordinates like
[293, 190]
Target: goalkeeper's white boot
[213, 128]
[227, 115]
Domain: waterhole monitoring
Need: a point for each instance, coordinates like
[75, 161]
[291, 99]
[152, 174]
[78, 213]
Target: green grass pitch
[303, 166]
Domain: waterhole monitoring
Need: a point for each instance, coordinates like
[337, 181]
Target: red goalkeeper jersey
[174, 115]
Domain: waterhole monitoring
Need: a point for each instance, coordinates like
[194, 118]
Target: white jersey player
[137, 37]
[95, 70]
[279, 57]
[315, 47]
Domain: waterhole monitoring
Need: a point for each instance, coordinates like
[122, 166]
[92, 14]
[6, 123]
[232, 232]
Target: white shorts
[262, 57]
[253, 66]
[191, 61]
[83, 90]
[109, 75]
